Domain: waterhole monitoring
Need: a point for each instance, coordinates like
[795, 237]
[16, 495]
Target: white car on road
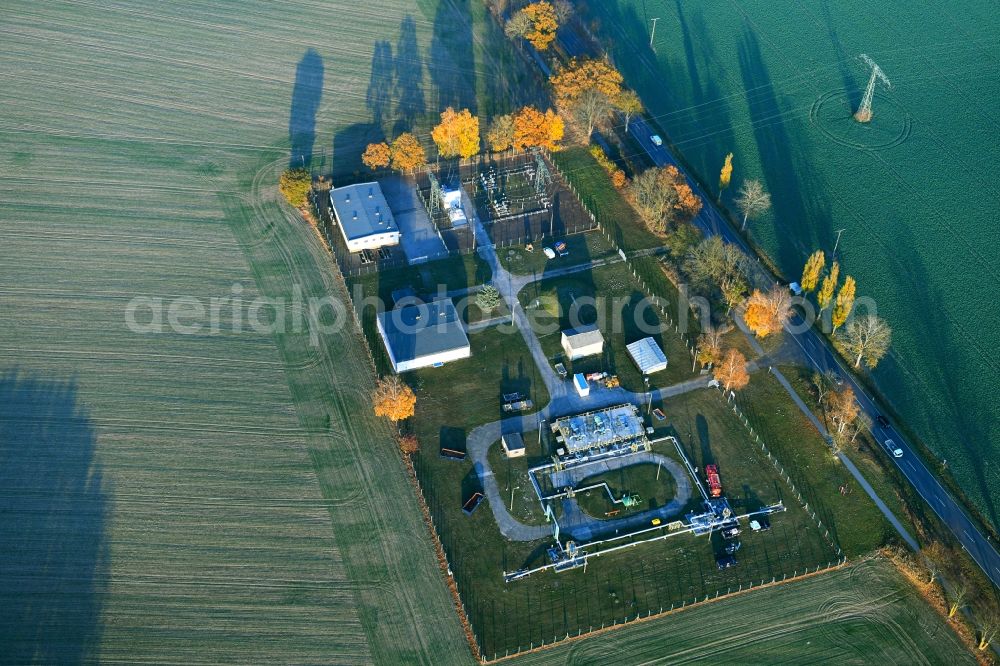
[893, 449]
[656, 140]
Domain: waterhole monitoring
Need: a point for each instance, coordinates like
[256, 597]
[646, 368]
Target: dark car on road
[881, 421]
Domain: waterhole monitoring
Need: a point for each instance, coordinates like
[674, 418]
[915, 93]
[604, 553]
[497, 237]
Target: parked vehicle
[714, 482]
[725, 561]
[658, 413]
[760, 524]
[561, 369]
[549, 252]
[561, 249]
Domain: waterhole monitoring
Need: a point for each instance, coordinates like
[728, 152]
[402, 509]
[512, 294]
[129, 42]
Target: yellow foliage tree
[407, 153]
[845, 303]
[731, 372]
[393, 399]
[457, 135]
[587, 74]
[500, 136]
[294, 185]
[767, 313]
[813, 268]
[544, 24]
[629, 104]
[727, 172]
[534, 128]
[825, 294]
[377, 155]
[757, 314]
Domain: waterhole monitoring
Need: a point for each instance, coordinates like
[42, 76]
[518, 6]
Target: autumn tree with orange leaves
[662, 196]
[407, 153]
[500, 135]
[457, 135]
[377, 155]
[731, 372]
[393, 399]
[581, 75]
[544, 24]
[533, 128]
[766, 313]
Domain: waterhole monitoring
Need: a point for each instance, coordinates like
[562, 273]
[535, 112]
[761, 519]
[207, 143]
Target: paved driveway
[418, 235]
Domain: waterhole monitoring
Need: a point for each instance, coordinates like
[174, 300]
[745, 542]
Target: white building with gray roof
[423, 334]
[364, 217]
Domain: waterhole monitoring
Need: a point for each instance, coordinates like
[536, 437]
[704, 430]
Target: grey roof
[647, 355]
[583, 336]
[362, 210]
[419, 330]
[513, 440]
[602, 427]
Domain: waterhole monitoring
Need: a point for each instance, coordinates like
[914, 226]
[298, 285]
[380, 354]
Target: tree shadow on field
[712, 126]
[378, 99]
[348, 146]
[409, 77]
[704, 439]
[957, 419]
[452, 59]
[786, 176]
[843, 60]
[305, 103]
[53, 515]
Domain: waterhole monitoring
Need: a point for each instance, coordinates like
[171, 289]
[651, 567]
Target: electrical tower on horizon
[864, 112]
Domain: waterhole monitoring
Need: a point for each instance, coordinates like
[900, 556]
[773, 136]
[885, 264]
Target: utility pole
[835, 245]
[864, 112]
[653, 32]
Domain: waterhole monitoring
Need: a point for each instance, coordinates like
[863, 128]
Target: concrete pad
[418, 236]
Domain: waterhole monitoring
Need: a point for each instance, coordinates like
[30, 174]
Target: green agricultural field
[206, 497]
[864, 613]
[914, 190]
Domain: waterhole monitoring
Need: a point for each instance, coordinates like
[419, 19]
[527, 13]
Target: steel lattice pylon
[434, 203]
[542, 175]
[864, 112]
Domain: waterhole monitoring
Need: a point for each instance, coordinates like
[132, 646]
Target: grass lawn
[651, 487]
[851, 516]
[617, 585]
[458, 396]
[604, 201]
[870, 458]
[622, 314]
[582, 247]
[455, 272]
[512, 474]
